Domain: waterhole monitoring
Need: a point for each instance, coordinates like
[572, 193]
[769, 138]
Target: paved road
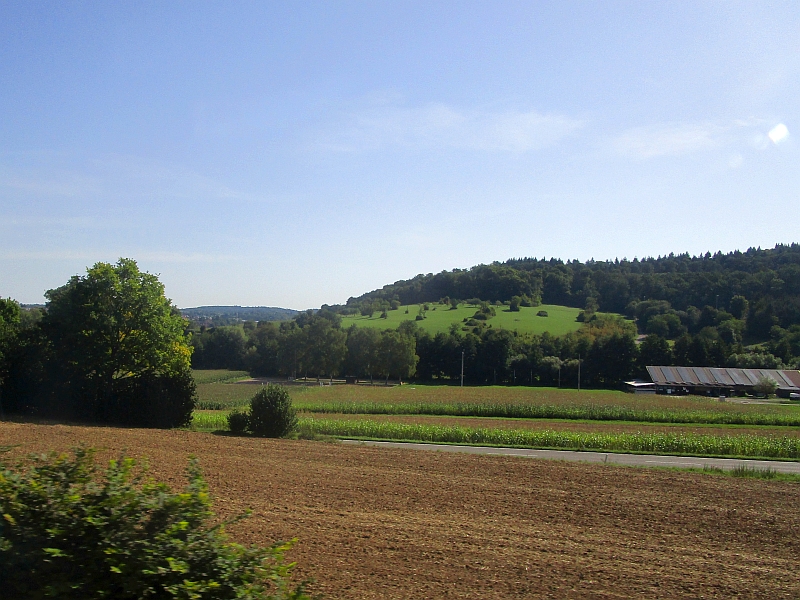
[637, 460]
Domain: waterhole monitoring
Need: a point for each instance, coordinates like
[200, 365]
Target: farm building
[639, 386]
[709, 381]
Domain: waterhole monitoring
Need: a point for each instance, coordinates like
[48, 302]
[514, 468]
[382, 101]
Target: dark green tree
[271, 412]
[118, 351]
[397, 355]
[654, 351]
[363, 351]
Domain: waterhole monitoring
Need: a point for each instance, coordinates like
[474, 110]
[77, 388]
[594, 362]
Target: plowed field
[379, 523]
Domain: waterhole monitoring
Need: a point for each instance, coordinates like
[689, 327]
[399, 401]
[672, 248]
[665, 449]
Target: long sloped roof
[722, 377]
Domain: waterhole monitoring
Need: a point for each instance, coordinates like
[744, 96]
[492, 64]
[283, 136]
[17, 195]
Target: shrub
[765, 386]
[271, 412]
[541, 313]
[68, 532]
[238, 422]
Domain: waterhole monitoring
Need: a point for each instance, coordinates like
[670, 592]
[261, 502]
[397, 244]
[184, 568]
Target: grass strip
[589, 412]
[218, 376]
[203, 421]
[657, 443]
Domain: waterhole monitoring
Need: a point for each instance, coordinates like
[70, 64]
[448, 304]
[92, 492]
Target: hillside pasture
[560, 320]
[388, 523]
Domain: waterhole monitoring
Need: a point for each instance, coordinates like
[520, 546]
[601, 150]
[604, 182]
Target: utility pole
[579, 372]
[559, 373]
[462, 368]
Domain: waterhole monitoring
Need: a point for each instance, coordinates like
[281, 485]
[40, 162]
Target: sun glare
[778, 133]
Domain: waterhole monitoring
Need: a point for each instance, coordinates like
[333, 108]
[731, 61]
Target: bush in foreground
[67, 531]
[271, 412]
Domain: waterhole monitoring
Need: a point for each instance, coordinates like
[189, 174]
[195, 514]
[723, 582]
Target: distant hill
[238, 313]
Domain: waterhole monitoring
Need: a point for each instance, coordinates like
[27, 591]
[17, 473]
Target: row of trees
[313, 345]
[108, 348]
[606, 346]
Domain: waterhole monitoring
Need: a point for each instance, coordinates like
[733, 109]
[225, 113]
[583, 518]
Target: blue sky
[294, 154]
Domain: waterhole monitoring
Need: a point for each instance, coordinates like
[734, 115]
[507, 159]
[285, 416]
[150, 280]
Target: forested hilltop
[737, 310]
[763, 283]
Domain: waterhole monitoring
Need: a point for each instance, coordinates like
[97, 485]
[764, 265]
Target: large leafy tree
[9, 317]
[397, 355]
[118, 348]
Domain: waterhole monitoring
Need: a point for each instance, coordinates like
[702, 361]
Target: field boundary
[616, 458]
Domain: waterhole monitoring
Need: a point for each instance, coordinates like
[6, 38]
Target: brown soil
[383, 523]
[565, 425]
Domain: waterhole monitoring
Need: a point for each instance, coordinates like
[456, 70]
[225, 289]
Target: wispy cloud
[667, 140]
[680, 139]
[443, 126]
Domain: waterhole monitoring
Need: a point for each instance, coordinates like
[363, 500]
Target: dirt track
[379, 523]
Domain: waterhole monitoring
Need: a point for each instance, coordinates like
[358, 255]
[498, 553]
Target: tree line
[606, 348]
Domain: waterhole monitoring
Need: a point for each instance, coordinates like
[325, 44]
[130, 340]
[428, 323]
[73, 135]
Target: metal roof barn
[720, 381]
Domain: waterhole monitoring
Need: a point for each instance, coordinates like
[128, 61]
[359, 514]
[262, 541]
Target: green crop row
[666, 443]
[552, 411]
[210, 420]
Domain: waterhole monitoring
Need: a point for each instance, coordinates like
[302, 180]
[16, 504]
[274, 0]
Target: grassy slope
[560, 319]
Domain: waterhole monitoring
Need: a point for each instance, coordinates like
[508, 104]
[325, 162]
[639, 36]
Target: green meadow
[559, 320]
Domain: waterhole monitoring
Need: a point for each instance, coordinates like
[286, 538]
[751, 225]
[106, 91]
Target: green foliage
[117, 350]
[219, 348]
[766, 386]
[561, 321]
[238, 422]
[397, 355]
[754, 473]
[68, 531]
[9, 318]
[785, 447]
[588, 412]
[755, 360]
[271, 412]
[204, 376]
[363, 351]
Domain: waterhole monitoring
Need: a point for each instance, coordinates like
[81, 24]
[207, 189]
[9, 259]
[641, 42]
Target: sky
[299, 153]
